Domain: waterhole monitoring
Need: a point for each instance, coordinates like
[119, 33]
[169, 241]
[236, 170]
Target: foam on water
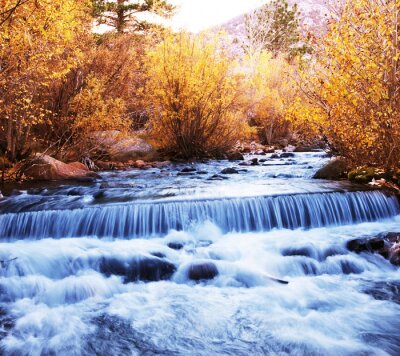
[81, 295]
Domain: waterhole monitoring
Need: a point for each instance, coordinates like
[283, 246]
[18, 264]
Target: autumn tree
[274, 27]
[351, 93]
[195, 96]
[38, 45]
[271, 90]
[125, 15]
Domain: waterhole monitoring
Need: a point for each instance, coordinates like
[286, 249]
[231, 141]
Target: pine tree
[122, 14]
[275, 28]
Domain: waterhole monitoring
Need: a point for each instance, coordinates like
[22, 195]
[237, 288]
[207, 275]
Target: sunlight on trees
[195, 96]
[351, 93]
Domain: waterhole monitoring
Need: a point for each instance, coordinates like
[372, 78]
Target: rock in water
[44, 167]
[229, 171]
[202, 271]
[334, 169]
[235, 156]
[138, 269]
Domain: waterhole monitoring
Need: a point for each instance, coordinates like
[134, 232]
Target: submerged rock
[188, 170]
[202, 271]
[217, 177]
[387, 245]
[286, 155]
[145, 269]
[334, 169]
[229, 171]
[175, 245]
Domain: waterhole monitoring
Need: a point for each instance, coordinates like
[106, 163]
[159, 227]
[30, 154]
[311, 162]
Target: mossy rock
[365, 175]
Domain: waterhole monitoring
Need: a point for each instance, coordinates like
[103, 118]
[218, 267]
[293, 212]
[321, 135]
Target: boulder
[79, 165]
[235, 156]
[286, 155]
[202, 271]
[175, 245]
[147, 269]
[188, 170]
[229, 171]
[44, 167]
[335, 169]
[117, 147]
[366, 174]
[217, 177]
[387, 245]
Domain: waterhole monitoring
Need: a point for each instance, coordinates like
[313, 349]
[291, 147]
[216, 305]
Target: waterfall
[261, 213]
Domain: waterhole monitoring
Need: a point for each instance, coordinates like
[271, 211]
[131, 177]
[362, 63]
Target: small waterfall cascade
[260, 213]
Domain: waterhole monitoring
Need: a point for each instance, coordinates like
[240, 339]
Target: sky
[197, 15]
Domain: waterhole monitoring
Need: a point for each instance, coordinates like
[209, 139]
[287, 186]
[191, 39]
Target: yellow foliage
[38, 45]
[93, 112]
[352, 92]
[195, 96]
[271, 90]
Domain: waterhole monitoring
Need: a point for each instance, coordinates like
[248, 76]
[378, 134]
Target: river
[184, 260]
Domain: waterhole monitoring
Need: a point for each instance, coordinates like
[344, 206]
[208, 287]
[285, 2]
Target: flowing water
[110, 267]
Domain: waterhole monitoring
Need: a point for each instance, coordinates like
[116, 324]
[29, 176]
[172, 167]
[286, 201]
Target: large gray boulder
[336, 168]
[120, 148]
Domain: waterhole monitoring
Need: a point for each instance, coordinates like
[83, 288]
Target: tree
[273, 27]
[195, 96]
[352, 92]
[38, 45]
[122, 15]
[271, 90]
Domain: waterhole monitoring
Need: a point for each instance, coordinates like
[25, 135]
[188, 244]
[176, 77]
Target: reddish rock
[78, 165]
[44, 167]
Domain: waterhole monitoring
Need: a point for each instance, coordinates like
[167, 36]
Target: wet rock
[158, 254]
[175, 245]
[274, 156]
[334, 169]
[150, 270]
[298, 251]
[394, 255]
[287, 154]
[229, 171]
[201, 172]
[254, 162]
[202, 271]
[262, 160]
[217, 177]
[260, 153]
[44, 167]
[387, 245]
[182, 174]
[385, 290]
[235, 156]
[188, 170]
[6, 323]
[138, 269]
